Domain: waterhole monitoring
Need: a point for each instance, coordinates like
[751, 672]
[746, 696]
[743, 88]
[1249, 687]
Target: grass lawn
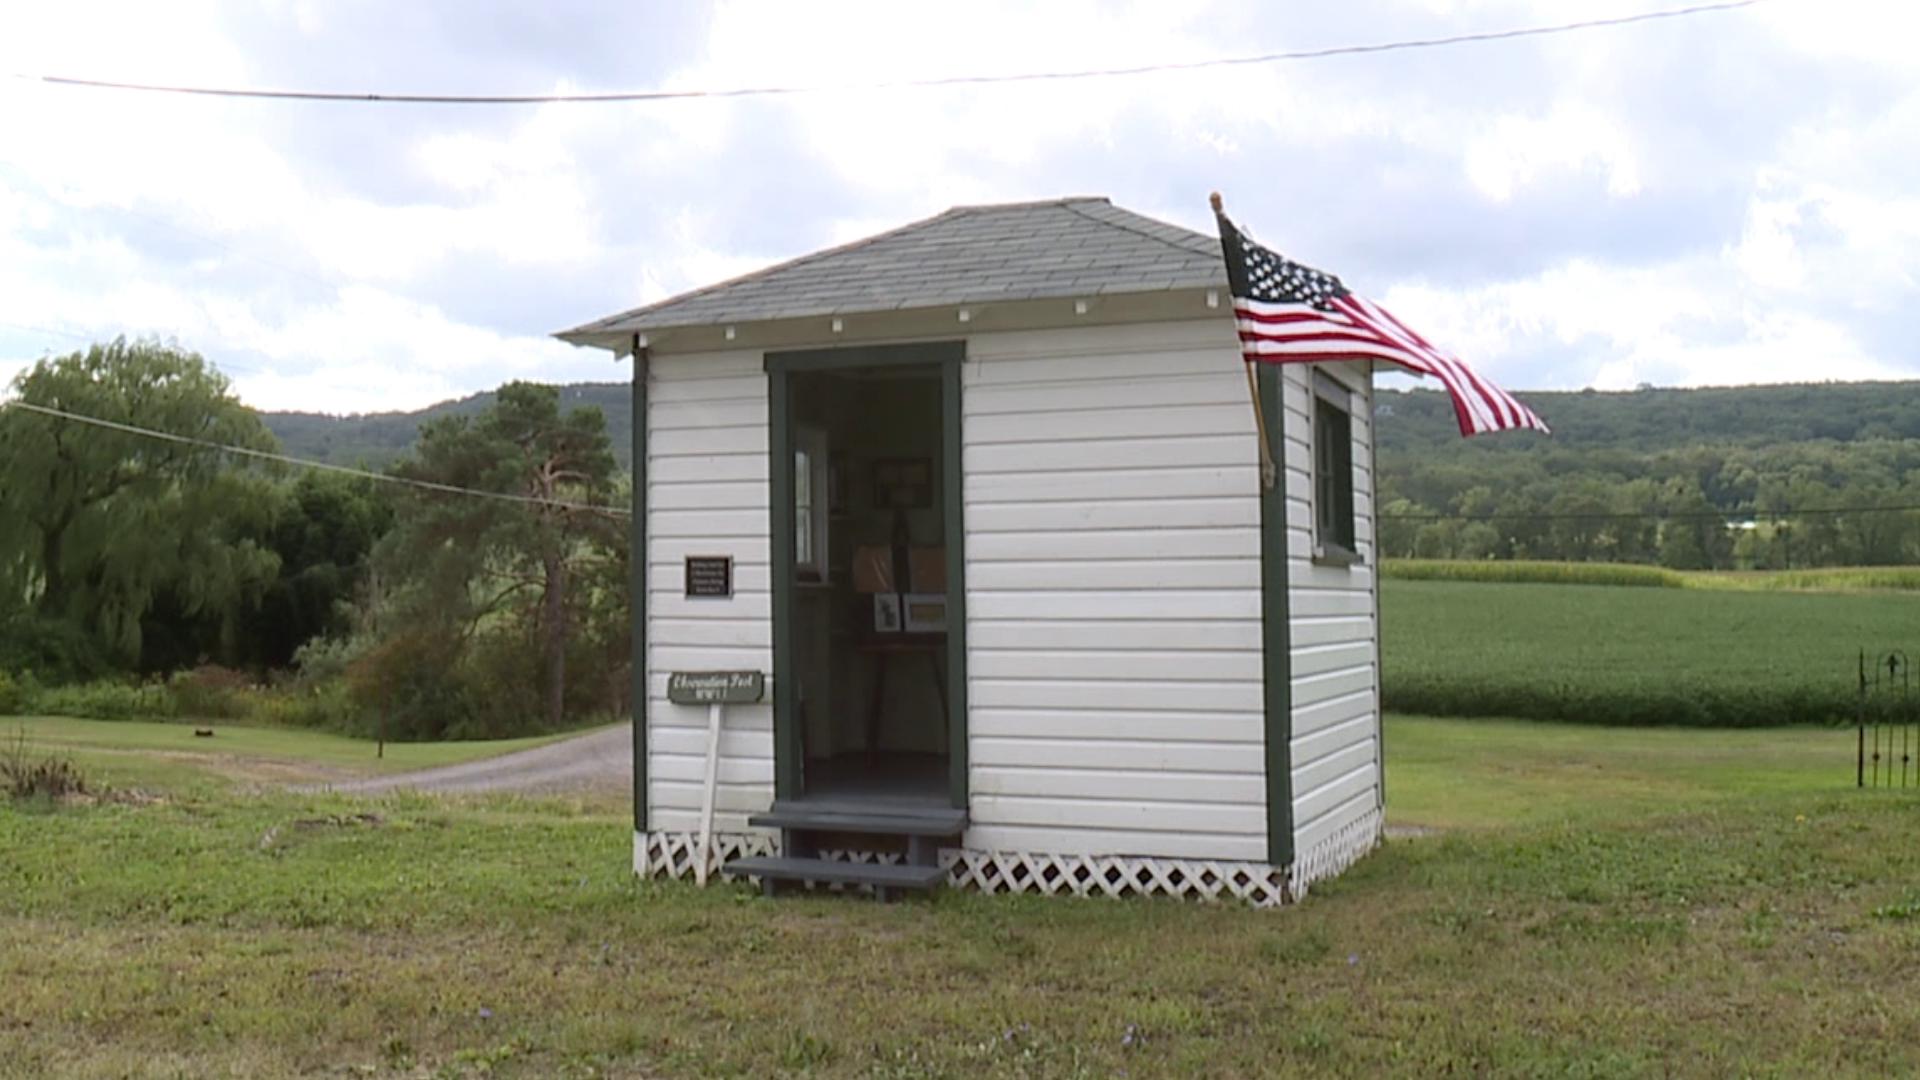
[1611, 654]
[1603, 903]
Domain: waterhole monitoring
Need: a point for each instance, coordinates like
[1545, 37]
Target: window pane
[803, 536]
[802, 479]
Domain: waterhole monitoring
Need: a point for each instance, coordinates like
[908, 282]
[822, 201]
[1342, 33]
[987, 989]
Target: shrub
[323, 706]
[51, 777]
[14, 695]
[107, 700]
[210, 692]
[325, 658]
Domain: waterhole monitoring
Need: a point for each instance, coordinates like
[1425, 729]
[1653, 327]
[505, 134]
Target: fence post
[1860, 762]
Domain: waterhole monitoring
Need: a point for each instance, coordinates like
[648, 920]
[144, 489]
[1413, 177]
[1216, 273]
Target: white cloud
[1515, 151]
[207, 220]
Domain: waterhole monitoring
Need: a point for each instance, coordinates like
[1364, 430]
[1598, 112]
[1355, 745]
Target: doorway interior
[872, 635]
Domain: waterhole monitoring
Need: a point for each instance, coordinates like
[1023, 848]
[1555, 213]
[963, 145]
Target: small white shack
[981, 497]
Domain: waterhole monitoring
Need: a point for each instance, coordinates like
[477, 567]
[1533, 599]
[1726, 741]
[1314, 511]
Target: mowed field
[1617, 654]
[1596, 902]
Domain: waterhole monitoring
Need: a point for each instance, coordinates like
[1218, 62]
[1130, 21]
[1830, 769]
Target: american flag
[1292, 313]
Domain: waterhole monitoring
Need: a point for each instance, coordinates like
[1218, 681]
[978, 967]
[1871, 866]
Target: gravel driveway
[600, 761]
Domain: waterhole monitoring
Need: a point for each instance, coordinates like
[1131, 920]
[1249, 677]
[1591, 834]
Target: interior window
[1333, 477]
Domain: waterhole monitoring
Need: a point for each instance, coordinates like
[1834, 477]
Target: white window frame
[810, 498]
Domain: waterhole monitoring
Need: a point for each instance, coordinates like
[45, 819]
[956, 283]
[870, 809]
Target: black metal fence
[1889, 723]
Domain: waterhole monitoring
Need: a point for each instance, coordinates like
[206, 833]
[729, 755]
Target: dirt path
[601, 761]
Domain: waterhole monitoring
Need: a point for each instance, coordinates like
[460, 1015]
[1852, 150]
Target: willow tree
[471, 563]
[102, 519]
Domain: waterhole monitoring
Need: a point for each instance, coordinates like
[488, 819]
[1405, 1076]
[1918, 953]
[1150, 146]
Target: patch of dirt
[332, 821]
[599, 761]
[1410, 832]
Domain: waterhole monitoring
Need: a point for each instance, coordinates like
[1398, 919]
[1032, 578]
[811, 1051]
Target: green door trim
[1276, 630]
[780, 368]
[637, 588]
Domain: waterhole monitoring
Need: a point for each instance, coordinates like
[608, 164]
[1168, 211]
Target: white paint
[707, 495]
[1333, 616]
[715, 713]
[1113, 604]
[1115, 645]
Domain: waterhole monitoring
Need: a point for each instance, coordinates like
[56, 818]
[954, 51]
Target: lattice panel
[1336, 853]
[671, 854]
[1263, 885]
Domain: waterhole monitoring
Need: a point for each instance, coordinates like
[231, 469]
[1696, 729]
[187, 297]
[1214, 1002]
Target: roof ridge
[752, 275]
[1064, 200]
[1125, 227]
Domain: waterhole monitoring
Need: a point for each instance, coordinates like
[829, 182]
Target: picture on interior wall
[925, 613]
[886, 613]
[903, 483]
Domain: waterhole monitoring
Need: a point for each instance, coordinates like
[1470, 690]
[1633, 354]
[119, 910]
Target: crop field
[1522, 571]
[1604, 654]
[1694, 903]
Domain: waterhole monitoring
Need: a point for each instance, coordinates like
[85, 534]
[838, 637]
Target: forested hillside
[377, 439]
[1707, 478]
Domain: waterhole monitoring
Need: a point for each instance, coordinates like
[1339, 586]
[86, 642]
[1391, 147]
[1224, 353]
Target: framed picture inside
[924, 613]
[903, 483]
[886, 613]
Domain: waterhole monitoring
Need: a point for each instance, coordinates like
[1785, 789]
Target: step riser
[882, 877]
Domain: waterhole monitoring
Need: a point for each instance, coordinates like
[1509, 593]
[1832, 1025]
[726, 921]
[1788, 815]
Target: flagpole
[1269, 472]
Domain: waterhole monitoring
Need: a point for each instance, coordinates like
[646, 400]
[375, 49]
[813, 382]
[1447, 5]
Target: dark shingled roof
[968, 255]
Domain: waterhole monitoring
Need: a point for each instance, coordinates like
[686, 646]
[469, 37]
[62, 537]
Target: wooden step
[880, 821]
[837, 871]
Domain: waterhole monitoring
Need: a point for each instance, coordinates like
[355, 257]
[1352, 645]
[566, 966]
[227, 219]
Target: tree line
[1746, 478]
[335, 599]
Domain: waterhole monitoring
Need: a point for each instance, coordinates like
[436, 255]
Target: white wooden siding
[1334, 618]
[1113, 593]
[707, 495]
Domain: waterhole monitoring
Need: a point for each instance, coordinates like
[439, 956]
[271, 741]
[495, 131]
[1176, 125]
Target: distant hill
[1652, 420]
[375, 440]
[1414, 423]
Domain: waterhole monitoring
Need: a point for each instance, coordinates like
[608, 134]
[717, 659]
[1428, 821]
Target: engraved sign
[716, 687]
[710, 576]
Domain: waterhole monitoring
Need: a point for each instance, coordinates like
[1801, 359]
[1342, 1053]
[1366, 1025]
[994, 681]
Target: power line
[905, 84]
[267, 455]
[1687, 515]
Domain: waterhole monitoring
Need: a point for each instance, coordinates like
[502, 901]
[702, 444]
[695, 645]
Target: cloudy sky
[1726, 198]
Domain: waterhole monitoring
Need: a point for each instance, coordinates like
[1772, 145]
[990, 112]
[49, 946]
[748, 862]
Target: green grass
[1604, 903]
[1454, 773]
[1597, 654]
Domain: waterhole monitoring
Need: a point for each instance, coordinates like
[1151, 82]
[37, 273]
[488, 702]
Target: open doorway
[870, 635]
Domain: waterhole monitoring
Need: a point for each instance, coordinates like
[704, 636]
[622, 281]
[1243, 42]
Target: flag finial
[1214, 198]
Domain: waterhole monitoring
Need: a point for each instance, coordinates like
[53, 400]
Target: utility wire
[450, 489]
[267, 455]
[1687, 515]
[905, 84]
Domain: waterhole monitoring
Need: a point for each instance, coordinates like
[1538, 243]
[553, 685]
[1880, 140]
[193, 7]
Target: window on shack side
[1333, 525]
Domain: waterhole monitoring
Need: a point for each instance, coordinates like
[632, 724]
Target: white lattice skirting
[671, 855]
[1335, 853]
